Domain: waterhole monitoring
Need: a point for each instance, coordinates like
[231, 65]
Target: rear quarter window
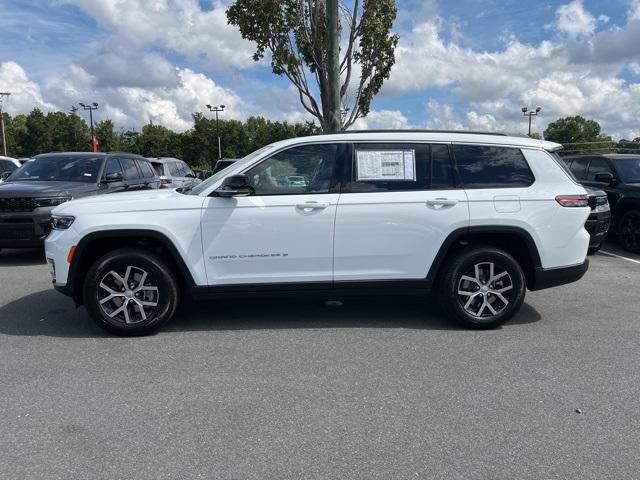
[482, 166]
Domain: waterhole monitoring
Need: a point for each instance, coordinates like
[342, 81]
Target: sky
[460, 64]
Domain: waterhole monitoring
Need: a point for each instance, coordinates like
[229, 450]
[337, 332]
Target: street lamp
[3, 95]
[527, 113]
[217, 109]
[91, 107]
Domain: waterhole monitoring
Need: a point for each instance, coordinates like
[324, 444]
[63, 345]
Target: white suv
[477, 218]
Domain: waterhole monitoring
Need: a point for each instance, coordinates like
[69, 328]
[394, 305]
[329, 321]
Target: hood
[28, 189]
[144, 200]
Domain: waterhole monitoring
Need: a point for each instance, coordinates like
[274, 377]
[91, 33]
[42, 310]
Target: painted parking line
[619, 256]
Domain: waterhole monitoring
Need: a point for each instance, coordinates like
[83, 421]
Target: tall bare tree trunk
[333, 122]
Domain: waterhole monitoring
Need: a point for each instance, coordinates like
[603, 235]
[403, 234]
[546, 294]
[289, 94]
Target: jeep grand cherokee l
[33, 190]
[477, 218]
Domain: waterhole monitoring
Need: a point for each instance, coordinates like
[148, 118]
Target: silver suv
[174, 173]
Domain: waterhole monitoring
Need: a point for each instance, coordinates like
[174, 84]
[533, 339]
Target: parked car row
[31, 189]
[618, 175]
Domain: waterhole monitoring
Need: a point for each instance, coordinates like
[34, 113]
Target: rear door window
[145, 168]
[492, 167]
[7, 166]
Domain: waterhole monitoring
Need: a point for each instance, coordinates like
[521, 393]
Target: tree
[574, 130]
[294, 33]
[108, 139]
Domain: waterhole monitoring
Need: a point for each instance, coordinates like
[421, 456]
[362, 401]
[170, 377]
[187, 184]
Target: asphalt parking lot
[380, 388]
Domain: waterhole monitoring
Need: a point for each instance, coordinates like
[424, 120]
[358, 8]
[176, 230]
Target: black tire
[463, 263]
[593, 250]
[629, 231]
[101, 283]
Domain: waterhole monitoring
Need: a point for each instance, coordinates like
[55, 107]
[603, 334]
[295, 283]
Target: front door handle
[441, 202]
[308, 206]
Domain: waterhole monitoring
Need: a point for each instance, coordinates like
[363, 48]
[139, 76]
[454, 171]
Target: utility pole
[334, 122]
[91, 107]
[217, 109]
[3, 95]
[526, 113]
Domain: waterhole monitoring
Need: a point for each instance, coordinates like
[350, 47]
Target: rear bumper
[552, 277]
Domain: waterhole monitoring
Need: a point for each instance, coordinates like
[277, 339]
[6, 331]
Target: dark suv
[619, 176]
[30, 193]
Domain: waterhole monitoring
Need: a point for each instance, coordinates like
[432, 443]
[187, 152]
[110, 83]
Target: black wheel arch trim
[72, 288]
[460, 233]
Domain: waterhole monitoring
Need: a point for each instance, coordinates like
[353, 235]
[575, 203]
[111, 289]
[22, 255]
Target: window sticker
[386, 165]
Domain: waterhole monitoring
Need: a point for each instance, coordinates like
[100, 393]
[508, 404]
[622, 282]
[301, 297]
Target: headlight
[61, 222]
[51, 202]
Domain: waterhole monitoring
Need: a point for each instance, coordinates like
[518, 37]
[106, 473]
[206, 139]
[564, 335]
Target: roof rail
[420, 130]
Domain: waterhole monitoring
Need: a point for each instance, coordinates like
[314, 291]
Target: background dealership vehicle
[477, 217]
[599, 220]
[619, 176]
[223, 163]
[174, 173]
[33, 190]
[7, 166]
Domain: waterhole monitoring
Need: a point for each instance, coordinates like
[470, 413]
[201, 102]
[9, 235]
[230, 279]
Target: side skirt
[315, 289]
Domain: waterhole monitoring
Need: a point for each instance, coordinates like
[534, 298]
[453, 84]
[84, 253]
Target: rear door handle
[311, 206]
[441, 202]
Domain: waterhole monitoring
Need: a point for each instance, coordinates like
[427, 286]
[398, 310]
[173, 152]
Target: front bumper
[25, 229]
[598, 225]
[553, 277]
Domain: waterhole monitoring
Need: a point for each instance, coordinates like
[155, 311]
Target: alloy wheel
[128, 296]
[485, 291]
[630, 231]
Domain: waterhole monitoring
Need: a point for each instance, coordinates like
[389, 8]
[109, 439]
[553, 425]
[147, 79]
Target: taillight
[573, 200]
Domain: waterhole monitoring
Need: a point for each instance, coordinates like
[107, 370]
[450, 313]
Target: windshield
[224, 172]
[629, 169]
[67, 168]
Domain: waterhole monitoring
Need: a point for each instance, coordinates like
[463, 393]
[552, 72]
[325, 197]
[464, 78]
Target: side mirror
[605, 177]
[4, 175]
[190, 175]
[235, 186]
[113, 177]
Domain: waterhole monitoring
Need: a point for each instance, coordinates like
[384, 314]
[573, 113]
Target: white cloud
[381, 119]
[574, 20]
[179, 25]
[25, 93]
[133, 106]
[634, 10]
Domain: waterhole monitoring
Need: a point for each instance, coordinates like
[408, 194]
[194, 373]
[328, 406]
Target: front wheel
[482, 287]
[130, 292]
[629, 231]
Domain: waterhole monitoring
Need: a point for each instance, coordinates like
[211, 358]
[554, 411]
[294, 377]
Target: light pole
[3, 95]
[527, 113]
[91, 107]
[217, 109]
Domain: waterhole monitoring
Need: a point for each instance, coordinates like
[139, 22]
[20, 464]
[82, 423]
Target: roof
[427, 136]
[163, 159]
[65, 154]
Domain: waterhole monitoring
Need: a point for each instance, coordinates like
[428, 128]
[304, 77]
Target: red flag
[94, 143]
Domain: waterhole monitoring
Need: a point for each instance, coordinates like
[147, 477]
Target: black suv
[619, 176]
[30, 193]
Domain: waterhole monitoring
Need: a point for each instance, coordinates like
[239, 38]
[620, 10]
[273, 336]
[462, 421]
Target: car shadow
[47, 313]
[22, 257]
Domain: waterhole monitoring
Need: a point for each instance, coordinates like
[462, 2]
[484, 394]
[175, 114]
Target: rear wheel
[130, 292]
[629, 231]
[482, 287]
